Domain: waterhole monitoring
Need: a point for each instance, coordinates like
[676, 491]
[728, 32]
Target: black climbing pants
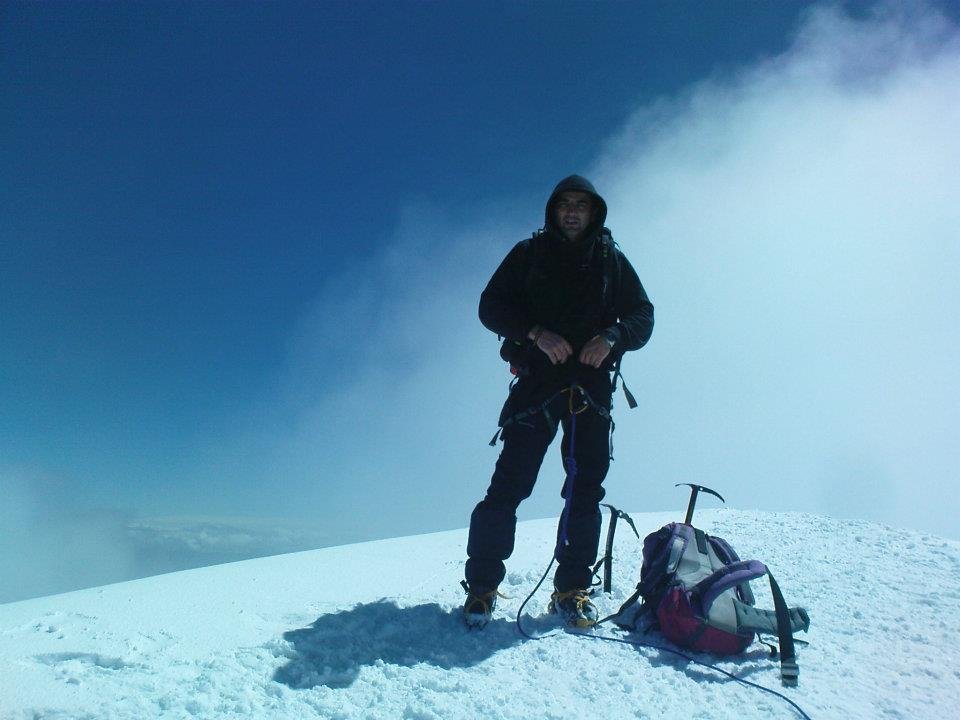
[494, 520]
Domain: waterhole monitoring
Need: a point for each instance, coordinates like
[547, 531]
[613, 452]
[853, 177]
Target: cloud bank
[47, 546]
[797, 227]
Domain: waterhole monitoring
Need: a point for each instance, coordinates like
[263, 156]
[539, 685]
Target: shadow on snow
[698, 666]
[336, 646]
[334, 649]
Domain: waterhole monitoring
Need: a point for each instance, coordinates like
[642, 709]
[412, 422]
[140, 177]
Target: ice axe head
[694, 491]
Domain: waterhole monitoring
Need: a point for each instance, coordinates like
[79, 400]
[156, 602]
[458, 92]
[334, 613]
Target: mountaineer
[568, 304]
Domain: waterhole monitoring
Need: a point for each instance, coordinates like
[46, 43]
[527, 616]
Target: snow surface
[373, 631]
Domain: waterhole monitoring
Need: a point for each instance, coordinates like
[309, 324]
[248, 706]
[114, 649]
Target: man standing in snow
[568, 304]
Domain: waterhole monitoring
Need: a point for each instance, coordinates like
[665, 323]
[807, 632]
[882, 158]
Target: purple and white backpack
[696, 590]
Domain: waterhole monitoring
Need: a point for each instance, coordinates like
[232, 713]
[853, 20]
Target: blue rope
[686, 657]
[571, 466]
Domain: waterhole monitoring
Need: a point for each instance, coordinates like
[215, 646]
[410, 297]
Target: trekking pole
[695, 490]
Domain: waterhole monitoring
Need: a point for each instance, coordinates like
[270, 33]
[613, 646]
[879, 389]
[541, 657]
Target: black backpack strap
[610, 262]
[789, 669]
[631, 400]
[632, 622]
[784, 621]
[611, 286]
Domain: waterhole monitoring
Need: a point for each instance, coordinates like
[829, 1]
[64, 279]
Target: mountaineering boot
[574, 607]
[479, 605]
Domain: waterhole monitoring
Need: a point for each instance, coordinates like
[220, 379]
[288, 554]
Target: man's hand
[595, 351]
[552, 345]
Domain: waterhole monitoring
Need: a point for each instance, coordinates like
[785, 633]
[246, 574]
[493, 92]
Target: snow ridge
[373, 631]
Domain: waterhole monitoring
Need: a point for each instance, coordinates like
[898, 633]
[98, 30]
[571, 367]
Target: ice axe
[607, 560]
[694, 491]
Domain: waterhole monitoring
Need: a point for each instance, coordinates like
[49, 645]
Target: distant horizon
[192, 546]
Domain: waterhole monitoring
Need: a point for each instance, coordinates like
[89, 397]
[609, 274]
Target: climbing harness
[544, 409]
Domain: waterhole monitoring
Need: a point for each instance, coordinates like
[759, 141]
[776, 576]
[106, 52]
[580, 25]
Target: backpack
[696, 590]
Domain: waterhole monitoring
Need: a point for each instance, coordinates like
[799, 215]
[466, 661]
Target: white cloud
[796, 226]
[47, 545]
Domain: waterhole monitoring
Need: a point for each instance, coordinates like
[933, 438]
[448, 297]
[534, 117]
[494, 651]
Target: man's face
[573, 212]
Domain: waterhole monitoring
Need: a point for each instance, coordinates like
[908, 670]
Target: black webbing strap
[631, 400]
[789, 670]
[626, 603]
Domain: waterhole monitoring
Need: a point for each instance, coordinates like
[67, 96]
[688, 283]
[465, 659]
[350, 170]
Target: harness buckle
[583, 399]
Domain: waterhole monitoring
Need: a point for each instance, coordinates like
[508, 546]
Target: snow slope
[373, 631]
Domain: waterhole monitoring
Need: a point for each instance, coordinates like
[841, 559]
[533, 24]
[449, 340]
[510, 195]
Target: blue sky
[242, 243]
[183, 179]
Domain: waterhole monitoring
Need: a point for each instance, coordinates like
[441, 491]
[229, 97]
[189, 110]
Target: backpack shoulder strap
[610, 259]
[728, 555]
[536, 246]
[612, 273]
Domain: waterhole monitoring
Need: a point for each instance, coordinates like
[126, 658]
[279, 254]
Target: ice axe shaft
[694, 492]
[607, 559]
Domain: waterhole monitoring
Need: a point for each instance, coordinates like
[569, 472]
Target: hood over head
[577, 183]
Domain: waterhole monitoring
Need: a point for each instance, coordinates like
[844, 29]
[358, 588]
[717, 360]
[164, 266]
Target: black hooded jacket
[558, 284]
